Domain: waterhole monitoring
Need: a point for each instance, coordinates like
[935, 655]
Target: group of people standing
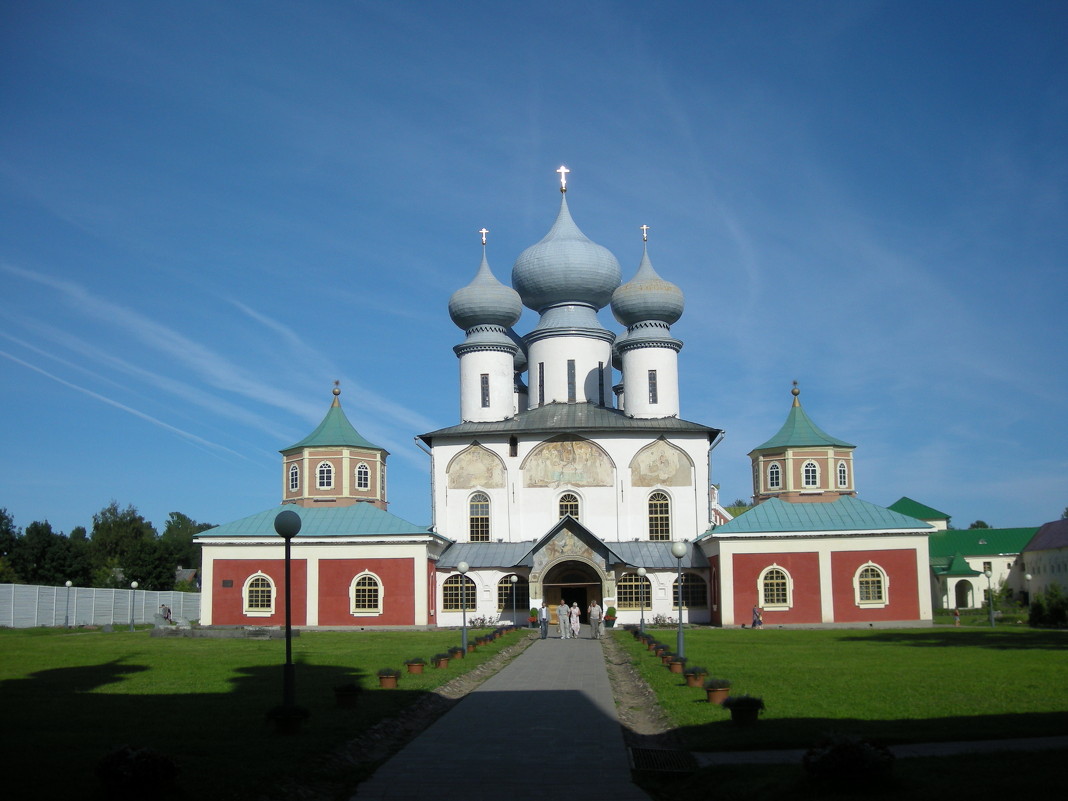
[569, 620]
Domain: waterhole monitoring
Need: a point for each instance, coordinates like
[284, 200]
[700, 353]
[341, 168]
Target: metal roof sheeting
[358, 520]
[845, 514]
[980, 541]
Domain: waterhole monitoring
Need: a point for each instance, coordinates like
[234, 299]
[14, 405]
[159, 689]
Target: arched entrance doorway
[963, 593]
[571, 582]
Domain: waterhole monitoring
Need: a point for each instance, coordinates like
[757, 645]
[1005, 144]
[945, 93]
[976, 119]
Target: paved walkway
[544, 727]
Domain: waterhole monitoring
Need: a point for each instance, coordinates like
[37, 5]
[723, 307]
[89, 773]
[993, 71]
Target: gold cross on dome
[563, 177]
[483, 231]
[645, 232]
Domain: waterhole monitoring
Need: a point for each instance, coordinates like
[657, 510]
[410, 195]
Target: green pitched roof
[912, 508]
[980, 541]
[799, 432]
[955, 566]
[334, 432]
[845, 514]
[358, 520]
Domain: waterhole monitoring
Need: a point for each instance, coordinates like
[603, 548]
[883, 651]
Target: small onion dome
[519, 361]
[485, 301]
[565, 267]
[647, 296]
[617, 357]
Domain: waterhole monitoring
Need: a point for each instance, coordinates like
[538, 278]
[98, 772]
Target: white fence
[25, 606]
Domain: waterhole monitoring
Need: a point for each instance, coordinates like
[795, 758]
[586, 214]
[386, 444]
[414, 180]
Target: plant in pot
[717, 689]
[532, 618]
[665, 655]
[651, 643]
[695, 675]
[415, 664]
[456, 652]
[609, 617]
[677, 664]
[843, 760]
[744, 709]
[387, 678]
[287, 719]
[440, 660]
[346, 695]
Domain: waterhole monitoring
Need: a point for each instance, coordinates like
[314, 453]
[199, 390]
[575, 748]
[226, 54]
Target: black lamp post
[641, 575]
[133, 592]
[990, 594]
[679, 550]
[1027, 578]
[462, 568]
[287, 524]
[514, 579]
[66, 618]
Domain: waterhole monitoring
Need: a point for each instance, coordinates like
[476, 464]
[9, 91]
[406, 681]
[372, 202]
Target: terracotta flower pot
[442, 663]
[694, 680]
[718, 696]
[675, 667]
[415, 667]
[387, 682]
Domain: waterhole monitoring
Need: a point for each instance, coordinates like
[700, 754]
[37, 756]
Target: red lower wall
[804, 568]
[902, 593]
[227, 606]
[398, 591]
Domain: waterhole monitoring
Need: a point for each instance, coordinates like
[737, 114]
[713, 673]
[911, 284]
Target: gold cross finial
[483, 231]
[336, 390]
[563, 177]
[645, 232]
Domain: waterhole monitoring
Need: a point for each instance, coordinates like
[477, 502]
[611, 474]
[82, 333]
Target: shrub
[610, 612]
[744, 702]
[712, 683]
[415, 660]
[388, 672]
[843, 759]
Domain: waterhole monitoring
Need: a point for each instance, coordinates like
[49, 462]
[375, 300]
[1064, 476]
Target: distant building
[1045, 558]
[960, 559]
[907, 506]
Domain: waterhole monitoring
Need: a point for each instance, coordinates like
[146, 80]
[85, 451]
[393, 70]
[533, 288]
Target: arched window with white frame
[810, 474]
[843, 475]
[634, 592]
[363, 476]
[478, 517]
[294, 478]
[871, 586]
[325, 472]
[774, 476]
[694, 591]
[775, 588]
[365, 594]
[569, 505]
[258, 595]
[457, 590]
[659, 517]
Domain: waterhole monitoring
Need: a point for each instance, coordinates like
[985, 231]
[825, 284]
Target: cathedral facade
[562, 483]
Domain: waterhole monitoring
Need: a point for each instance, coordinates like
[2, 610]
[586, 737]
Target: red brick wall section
[398, 587]
[803, 568]
[903, 591]
[228, 604]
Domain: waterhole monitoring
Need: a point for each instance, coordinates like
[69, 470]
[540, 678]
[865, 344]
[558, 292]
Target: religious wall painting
[475, 467]
[565, 545]
[568, 462]
[661, 464]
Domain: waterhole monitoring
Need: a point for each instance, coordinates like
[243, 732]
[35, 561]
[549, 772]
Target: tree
[116, 533]
[978, 524]
[1064, 514]
[177, 539]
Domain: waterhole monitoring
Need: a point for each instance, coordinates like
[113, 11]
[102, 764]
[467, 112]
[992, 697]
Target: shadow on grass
[61, 722]
[1007, 639]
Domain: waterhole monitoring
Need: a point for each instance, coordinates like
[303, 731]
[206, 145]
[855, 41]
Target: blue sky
[211, 211]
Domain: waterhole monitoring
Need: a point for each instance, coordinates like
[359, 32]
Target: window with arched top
[520, 600]
[325, 472]
[694, 591]
[871, 586]
[258, 595]
[478, 517]
[633, 592]
[294, 478]
[659, 516]
[363, 476]
[774, 476]
[365, 595]
[843, 475]
[569, 505]
[810, 475]
[455, 591]
[775, 588]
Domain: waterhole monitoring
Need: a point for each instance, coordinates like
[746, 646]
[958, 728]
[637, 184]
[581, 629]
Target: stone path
[544, 727]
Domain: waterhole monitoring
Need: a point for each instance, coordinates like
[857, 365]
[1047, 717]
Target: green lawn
[70, 698]
[908, 685]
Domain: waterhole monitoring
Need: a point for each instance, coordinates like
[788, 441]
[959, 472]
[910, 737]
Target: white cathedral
[561, 484]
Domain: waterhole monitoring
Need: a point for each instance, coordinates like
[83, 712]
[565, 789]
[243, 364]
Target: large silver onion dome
[647, 296]
[565, 267]
[485, 301]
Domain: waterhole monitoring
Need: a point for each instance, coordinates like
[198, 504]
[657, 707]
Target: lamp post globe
[641, 596]
[133, 592]
[287, 525]
[462, 569]
[678, 550]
